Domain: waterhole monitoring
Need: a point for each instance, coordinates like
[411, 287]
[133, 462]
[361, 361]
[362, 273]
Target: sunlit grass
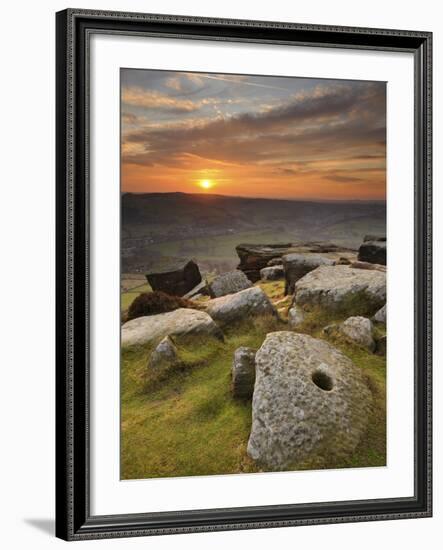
[189, 423]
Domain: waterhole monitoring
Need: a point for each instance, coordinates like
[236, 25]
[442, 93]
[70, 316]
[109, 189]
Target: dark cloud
[332, 117]
[129, 118]
[333, 132]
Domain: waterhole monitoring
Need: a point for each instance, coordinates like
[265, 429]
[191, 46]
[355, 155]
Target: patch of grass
[127, 298]
[275, 290]
[191, 425]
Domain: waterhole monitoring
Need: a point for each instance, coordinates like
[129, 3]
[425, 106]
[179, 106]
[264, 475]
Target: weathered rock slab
[254, 257]
[228, 283]
[309, 399]
[297, 266]
[181, 322]
[296, 316]
[274, 261]
[358, 329]
[373, 252]
[272, 273]
[243, 372]
[177, 280]
[200, 289]
[340, 286]
[242, 305]
[380, 316]
[163, 357]
[367, 265]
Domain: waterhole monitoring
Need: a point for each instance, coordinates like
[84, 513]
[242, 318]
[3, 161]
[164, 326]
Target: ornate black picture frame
[74, 30]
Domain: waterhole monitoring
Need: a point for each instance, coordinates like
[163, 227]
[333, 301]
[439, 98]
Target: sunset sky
[253, 136]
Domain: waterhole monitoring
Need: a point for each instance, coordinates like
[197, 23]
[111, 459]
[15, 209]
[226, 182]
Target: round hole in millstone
[322, 380]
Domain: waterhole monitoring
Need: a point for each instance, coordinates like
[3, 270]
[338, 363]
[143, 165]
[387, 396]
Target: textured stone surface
[181, 322]
[200, 289]
[274, 261]
[177, 280]
[254, 257]
[243, 372]
[228, 283]
[242, 305]
[380, 316]
[373, 252]
[296, 317]
[367, 265]
[272, 273]
[297, 266]
[359, 330]
[309, 399]
[164, 356]
[333, 287]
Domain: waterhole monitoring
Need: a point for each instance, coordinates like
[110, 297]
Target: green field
[220, 246]
[189, 423]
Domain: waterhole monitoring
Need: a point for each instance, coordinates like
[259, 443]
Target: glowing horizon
[253, 136]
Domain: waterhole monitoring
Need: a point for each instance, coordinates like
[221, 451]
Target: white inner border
[109, 495]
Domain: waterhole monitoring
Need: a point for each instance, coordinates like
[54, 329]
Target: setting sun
[206, 184]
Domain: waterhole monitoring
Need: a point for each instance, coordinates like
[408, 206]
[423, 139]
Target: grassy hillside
[189, 423]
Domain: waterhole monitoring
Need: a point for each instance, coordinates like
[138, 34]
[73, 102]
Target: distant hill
[239, 212]
[160, 226]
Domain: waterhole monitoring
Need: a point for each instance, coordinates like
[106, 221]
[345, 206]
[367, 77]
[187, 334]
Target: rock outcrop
[296, 316]
[373, 250]
[181, 322]
[309, 399]
[272, 273]
[254, 257]
[357, 329]
[228, 283]
[321, 247]
[274, 261]
[200, 289]
[380, 316]
[243, 372]
[358, 291]
[367, 265]
[297, 266]
[245, 304]
[164, 357]
[176, 280]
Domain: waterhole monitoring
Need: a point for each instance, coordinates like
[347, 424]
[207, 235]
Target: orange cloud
[137, 97]
[328, 142]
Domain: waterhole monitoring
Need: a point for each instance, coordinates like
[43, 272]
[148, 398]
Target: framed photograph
[243, 274]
